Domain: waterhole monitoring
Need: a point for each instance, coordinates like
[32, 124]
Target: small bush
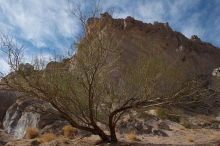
[47, 137]
[164, 114]
[161, 113]
[32, 133]
[69, 131]
[132, 136]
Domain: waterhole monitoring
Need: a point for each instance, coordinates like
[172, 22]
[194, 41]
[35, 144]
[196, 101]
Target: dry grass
[69, 131]
[47, 137]
[132, 137]
[32, 133]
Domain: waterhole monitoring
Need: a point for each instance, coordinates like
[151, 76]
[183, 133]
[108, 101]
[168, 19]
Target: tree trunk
[95, 130]
[105, 138]
[113, 134]
[112, 130]
[101, 134]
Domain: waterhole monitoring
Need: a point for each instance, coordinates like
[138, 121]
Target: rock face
[216, 72]
[7, 98]
[134, 37]
[26, 113]
[215, 80]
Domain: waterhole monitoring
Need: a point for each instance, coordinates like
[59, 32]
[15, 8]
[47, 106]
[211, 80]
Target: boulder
[216, 72]
[27, 113]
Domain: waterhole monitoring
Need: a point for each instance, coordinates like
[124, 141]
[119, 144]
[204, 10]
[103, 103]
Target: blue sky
[45, 25]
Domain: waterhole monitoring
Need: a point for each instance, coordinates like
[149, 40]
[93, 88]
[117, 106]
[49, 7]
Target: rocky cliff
[135, 37]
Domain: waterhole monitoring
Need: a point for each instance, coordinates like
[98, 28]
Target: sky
[47, 26]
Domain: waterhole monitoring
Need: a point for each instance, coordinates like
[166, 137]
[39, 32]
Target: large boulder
[27, 113]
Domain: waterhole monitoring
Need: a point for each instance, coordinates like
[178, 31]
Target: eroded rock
[27, 113]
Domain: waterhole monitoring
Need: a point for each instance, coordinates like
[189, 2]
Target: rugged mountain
[190, 57]
[134, 37]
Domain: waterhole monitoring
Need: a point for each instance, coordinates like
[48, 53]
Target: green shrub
[164, 114]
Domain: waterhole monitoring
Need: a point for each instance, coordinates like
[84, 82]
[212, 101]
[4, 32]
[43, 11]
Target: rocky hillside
[135, 37]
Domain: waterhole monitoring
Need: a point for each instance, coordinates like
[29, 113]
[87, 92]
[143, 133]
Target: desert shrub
[161, 113]
[173, 117]
[47, 137]
[69, 131]
[132, 136]
[32, 133]
[164, 114]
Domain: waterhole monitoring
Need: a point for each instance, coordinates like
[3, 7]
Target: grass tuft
[69, 131]
[32, 133]
[132, 137]
[47, 137]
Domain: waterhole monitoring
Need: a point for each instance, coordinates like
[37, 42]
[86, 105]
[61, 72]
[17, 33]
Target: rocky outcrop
[27, 113]
[194, 56]
[216, 73]
[215, 80]
[195, 38]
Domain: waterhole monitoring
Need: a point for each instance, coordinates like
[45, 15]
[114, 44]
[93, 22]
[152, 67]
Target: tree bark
[112, 130]
[104, 137]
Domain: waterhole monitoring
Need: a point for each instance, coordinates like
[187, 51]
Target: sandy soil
[178, 136]
[4, 138]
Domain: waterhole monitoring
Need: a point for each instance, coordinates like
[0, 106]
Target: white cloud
[193, 26]
[152, 11]
[179, 13]
[46, 21]
[4, 67]
[38, 21]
